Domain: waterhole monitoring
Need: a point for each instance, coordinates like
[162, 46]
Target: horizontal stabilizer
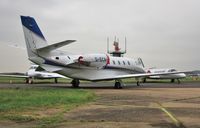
[56, 45]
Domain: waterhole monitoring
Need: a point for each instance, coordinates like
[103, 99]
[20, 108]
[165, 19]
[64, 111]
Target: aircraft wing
[139, 75]
[16, 75]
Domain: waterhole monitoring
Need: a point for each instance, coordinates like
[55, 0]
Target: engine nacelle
[62, 60]
[94, 60]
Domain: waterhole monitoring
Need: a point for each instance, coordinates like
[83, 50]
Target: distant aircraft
[32, 74]
[176, 76]
[90, 67]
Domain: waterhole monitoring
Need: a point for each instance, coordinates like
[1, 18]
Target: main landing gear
[75, 83]
[118, 84]
[138, 83]
[173, 80]
[144, 80]
[56, 80]
[29, 80]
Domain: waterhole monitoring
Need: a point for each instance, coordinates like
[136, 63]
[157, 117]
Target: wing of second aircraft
[139, 75]
[16, 75]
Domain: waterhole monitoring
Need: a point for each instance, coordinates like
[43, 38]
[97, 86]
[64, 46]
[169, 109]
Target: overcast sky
[164, 33]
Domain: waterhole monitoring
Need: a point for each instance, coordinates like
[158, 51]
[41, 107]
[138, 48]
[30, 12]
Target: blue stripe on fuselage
[52, 63]
[31, 24]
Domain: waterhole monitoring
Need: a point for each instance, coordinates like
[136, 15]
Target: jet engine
[94, 60]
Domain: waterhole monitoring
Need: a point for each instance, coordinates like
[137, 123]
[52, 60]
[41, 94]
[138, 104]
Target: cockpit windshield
[33, 67]
[172, 70]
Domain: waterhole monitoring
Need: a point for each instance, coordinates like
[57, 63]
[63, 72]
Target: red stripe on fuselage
[107, 60]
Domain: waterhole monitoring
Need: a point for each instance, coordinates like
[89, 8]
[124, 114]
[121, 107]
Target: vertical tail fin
[33, 36]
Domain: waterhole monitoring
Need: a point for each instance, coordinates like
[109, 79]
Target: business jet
[172, 77]
[32, 74]
[90, 67]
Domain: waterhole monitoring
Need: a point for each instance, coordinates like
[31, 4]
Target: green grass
[17, 99]
[22, 80]
[51, 121]
[24, 104]
[11, 79]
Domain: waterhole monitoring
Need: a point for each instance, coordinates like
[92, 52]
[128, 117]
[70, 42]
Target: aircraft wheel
[118, 85]
[138, 83]
[30, 81]
[144, 80]
[27, 80]
[75, 83]
[56, 80]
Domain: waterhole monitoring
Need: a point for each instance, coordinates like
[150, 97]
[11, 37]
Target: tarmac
[152, 105]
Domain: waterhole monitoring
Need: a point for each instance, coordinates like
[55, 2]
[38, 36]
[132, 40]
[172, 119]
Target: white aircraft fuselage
[32, 73]
[172, 77]
[167, 70]
[95, 67]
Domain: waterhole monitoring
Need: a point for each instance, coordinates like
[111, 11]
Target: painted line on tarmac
[178, 123]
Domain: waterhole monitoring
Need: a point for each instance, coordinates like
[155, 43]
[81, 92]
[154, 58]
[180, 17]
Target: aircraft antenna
[108, 45]
[125, 44]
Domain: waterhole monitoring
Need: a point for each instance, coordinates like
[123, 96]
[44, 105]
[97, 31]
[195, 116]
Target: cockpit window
[172, 70]
[33, 67]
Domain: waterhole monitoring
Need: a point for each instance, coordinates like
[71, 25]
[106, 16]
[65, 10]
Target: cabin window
[124, 63]
[129, 63]
[57, 58]
[118, 62]
[68, 57]
[113, 62]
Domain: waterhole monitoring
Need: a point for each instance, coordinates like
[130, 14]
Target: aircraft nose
[183, 75]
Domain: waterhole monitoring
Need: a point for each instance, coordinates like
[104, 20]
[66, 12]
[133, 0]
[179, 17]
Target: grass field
[44, 106]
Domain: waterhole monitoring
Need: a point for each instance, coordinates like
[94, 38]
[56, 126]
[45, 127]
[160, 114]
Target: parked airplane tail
[35, 40]
[33, 36]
